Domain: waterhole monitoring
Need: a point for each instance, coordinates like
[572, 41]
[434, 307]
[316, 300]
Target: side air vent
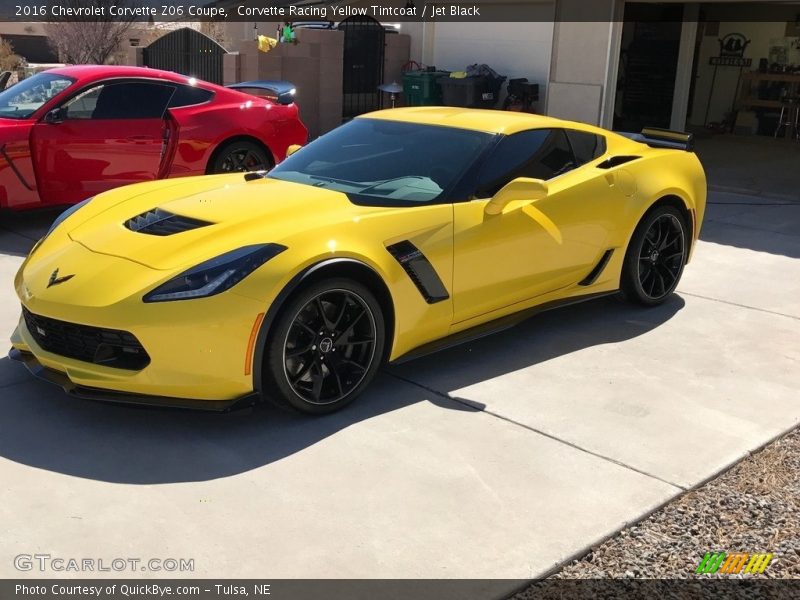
[598, 268]
[419, 270]
[615, 161]
[162, 222]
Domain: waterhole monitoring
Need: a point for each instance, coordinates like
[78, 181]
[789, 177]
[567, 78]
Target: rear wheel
[655, 257]
[326, 347]
[242, 156]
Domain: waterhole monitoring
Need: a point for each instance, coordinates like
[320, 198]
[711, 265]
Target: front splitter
[101, 395]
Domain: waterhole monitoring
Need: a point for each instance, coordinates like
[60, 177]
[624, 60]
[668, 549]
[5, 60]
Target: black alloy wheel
[241, 157]
[329, 343]
[661, 256]
[656, 257]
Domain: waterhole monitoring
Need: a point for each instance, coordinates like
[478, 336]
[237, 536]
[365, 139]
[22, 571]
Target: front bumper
[89, 393]
[196, 352]
[96, 331]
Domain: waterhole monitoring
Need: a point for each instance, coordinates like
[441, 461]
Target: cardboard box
[746, 123]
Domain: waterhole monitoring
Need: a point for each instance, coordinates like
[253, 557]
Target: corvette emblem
[55, 279]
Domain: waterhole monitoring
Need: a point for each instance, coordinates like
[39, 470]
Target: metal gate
[364, 41]
[188, 52]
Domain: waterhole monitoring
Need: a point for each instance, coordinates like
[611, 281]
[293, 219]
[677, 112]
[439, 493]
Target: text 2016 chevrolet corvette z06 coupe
[70, 133]
[395, 234]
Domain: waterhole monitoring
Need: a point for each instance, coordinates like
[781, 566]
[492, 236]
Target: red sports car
[67, 134]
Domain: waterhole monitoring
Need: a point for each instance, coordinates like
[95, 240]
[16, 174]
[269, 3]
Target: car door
[109, 134]
[532, 247]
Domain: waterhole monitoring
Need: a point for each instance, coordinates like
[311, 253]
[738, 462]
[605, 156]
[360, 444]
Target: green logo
[733, 563]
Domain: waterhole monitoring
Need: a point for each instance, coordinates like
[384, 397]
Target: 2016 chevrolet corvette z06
[398, 233]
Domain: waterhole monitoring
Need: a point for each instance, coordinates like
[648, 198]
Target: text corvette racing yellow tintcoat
[400, 232]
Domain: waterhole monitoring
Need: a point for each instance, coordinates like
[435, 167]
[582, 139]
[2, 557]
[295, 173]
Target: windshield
[385, 162]
[23, 99]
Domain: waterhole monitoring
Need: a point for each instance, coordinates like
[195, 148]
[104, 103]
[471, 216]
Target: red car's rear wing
[663, 138]
[281, 92]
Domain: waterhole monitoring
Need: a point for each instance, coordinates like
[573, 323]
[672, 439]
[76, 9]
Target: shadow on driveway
[20, 231]
[43, 428]
[772, 228]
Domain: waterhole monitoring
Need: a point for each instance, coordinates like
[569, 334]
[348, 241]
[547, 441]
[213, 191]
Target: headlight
[66, 214]
[216, 275]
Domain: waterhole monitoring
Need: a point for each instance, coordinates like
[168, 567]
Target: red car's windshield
[23, 99]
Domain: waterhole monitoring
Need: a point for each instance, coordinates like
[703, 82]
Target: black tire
[302, 370]
[655, 257]
[240, 157]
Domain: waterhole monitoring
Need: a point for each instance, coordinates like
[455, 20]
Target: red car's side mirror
[54, 116]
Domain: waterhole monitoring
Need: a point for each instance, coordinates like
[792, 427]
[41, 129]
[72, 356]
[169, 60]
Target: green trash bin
[421, 88]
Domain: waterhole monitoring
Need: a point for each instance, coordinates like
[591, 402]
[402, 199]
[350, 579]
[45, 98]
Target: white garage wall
[511, 49]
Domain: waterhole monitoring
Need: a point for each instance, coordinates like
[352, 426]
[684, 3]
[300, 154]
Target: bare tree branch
[8, 60]
[88, 42]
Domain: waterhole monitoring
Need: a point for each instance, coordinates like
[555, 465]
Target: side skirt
[491, 327]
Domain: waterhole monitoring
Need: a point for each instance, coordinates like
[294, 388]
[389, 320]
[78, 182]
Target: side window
[124, 100]
[586, 146]
[538, 153]
[187, 95]
[82, 106]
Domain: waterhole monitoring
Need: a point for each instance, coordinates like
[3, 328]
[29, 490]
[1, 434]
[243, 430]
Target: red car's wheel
[239, 157]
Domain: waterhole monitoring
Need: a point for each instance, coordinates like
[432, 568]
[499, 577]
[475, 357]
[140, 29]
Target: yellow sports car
[400, 232]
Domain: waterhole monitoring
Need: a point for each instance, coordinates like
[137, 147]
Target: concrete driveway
[498, 459]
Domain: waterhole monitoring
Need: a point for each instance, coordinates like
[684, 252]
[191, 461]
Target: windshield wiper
[334, 180]
[385, 181]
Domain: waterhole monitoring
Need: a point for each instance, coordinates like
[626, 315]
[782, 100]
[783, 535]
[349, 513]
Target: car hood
[213, 215]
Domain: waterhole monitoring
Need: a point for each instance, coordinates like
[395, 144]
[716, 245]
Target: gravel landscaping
[753, 507]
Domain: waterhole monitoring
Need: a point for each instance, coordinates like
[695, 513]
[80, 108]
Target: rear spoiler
[663, 138]
[281, 92]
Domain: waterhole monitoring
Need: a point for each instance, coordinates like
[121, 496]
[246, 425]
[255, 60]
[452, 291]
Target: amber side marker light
[248, 359]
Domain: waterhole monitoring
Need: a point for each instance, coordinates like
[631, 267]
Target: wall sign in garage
[731, 52]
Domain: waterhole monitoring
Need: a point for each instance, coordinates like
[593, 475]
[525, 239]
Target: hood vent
[162, 222]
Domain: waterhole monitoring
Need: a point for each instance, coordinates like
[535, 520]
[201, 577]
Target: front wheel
[655, 257]
[326, 347]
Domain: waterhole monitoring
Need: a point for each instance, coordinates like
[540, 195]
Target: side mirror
[292, 149]
[54, 116]
[521, 188]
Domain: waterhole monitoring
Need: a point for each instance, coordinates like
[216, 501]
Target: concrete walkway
[498, 459]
